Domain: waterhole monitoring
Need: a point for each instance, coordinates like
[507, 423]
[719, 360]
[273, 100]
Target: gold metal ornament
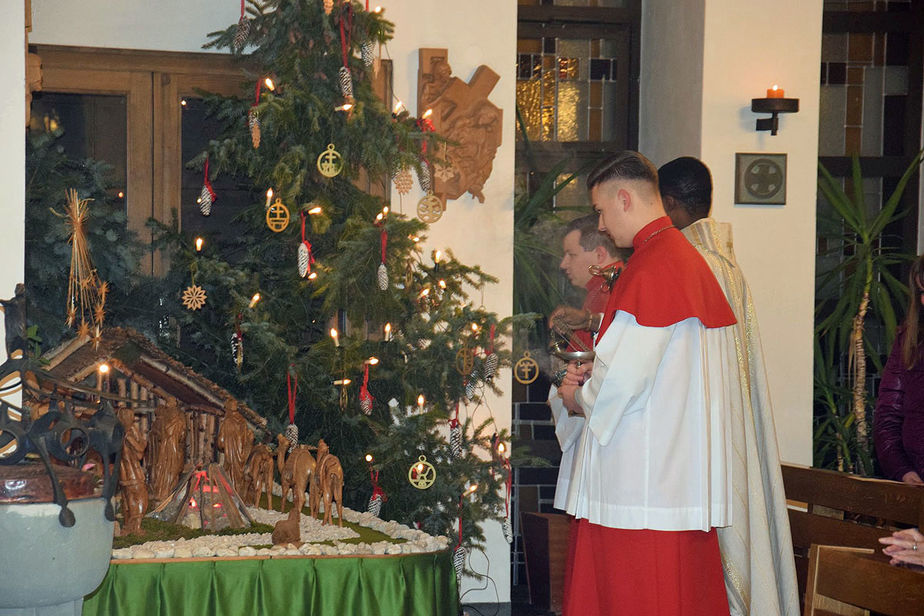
[422, 474]
[330, 163]
[465, 361]
[526, 370]
[429, 209]
[277, 216]
[194, 297]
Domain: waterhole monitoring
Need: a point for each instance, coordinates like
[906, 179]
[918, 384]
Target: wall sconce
[774, 104]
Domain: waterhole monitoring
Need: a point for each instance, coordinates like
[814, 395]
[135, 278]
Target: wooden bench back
[847, 582]
[845, 510]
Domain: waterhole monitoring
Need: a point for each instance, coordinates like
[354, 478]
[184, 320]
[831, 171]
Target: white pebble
[140, 553]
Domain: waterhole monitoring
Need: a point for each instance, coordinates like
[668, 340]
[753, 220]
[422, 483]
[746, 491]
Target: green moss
[156, 530]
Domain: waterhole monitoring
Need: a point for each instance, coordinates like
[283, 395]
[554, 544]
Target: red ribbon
[509, 486]
[384, 242]
[458, 545]
[491, 339]
[256, 96]
[293, 389]
[376, 488]
[346, 31]
[426, 126]
[364, 390]
[242, 9]
[205, 180]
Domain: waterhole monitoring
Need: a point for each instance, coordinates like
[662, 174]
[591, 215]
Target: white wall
[746, 48]
[165, 25]
[478, 234]
[12, 153]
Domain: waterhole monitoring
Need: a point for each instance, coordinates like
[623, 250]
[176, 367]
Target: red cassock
[631, 569]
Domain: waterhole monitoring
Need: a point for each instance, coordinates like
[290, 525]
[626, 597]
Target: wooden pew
[840, 509]
[849, 581]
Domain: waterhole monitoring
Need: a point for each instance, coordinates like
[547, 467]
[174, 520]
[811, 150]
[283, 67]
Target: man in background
[757, 555]
[583, 247]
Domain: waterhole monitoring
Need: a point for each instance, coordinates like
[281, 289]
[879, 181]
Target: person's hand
[577, 373]
[566, 318]
[911, 477]
[566, 393]
[905, 546]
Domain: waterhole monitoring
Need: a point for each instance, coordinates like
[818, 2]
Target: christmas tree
[338, 323]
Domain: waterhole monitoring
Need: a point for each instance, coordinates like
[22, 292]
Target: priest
[651, 479]
[760, 574]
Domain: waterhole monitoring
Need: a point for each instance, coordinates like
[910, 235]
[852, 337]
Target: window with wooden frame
[127, 108]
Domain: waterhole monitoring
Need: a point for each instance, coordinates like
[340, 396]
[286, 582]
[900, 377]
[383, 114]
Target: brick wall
[533, 487]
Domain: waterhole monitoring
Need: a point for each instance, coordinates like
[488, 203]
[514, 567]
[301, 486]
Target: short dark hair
[591, 236]
[688, 181]
[627, 165]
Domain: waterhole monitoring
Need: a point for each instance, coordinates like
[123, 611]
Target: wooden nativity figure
[259, 473]
[294, 471]
[327, 483]
[131, 475]
[168, 449]
[235, 439]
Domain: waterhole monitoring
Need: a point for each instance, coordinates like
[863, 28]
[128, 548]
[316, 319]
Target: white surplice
[653, 451]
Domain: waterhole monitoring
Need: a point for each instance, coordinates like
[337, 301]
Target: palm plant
[867, 293]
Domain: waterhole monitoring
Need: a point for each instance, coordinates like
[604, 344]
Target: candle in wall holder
[775, 92]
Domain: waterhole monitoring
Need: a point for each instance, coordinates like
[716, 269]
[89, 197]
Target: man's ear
[623, 199]
[602, 257]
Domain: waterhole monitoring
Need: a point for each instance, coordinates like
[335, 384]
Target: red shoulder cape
[667, 281]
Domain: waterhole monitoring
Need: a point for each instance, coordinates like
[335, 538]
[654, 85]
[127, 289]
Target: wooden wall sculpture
[463, 115]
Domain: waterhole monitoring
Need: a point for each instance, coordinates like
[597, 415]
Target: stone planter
[47, 568]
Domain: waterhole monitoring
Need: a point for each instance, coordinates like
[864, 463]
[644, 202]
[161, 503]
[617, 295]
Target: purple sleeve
[890, 415]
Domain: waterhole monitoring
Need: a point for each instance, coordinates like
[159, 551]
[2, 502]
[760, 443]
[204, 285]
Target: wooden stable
[147, 378]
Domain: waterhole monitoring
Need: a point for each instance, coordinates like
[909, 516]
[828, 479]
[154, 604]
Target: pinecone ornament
[471, 385]
[291, 435]
[253, 121]
[490, 366]
[241, 34]
[346, 82]
[365, 403]
[508, 530]
[425, 180]
[205, 200]
[458, 563]
[367, 50]
[304, 260]
[382, 275]
[455, 438]
[403, 181]
[375, 505]
[237, 349]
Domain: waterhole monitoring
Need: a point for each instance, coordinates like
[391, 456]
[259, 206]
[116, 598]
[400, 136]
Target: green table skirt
[417, 584]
